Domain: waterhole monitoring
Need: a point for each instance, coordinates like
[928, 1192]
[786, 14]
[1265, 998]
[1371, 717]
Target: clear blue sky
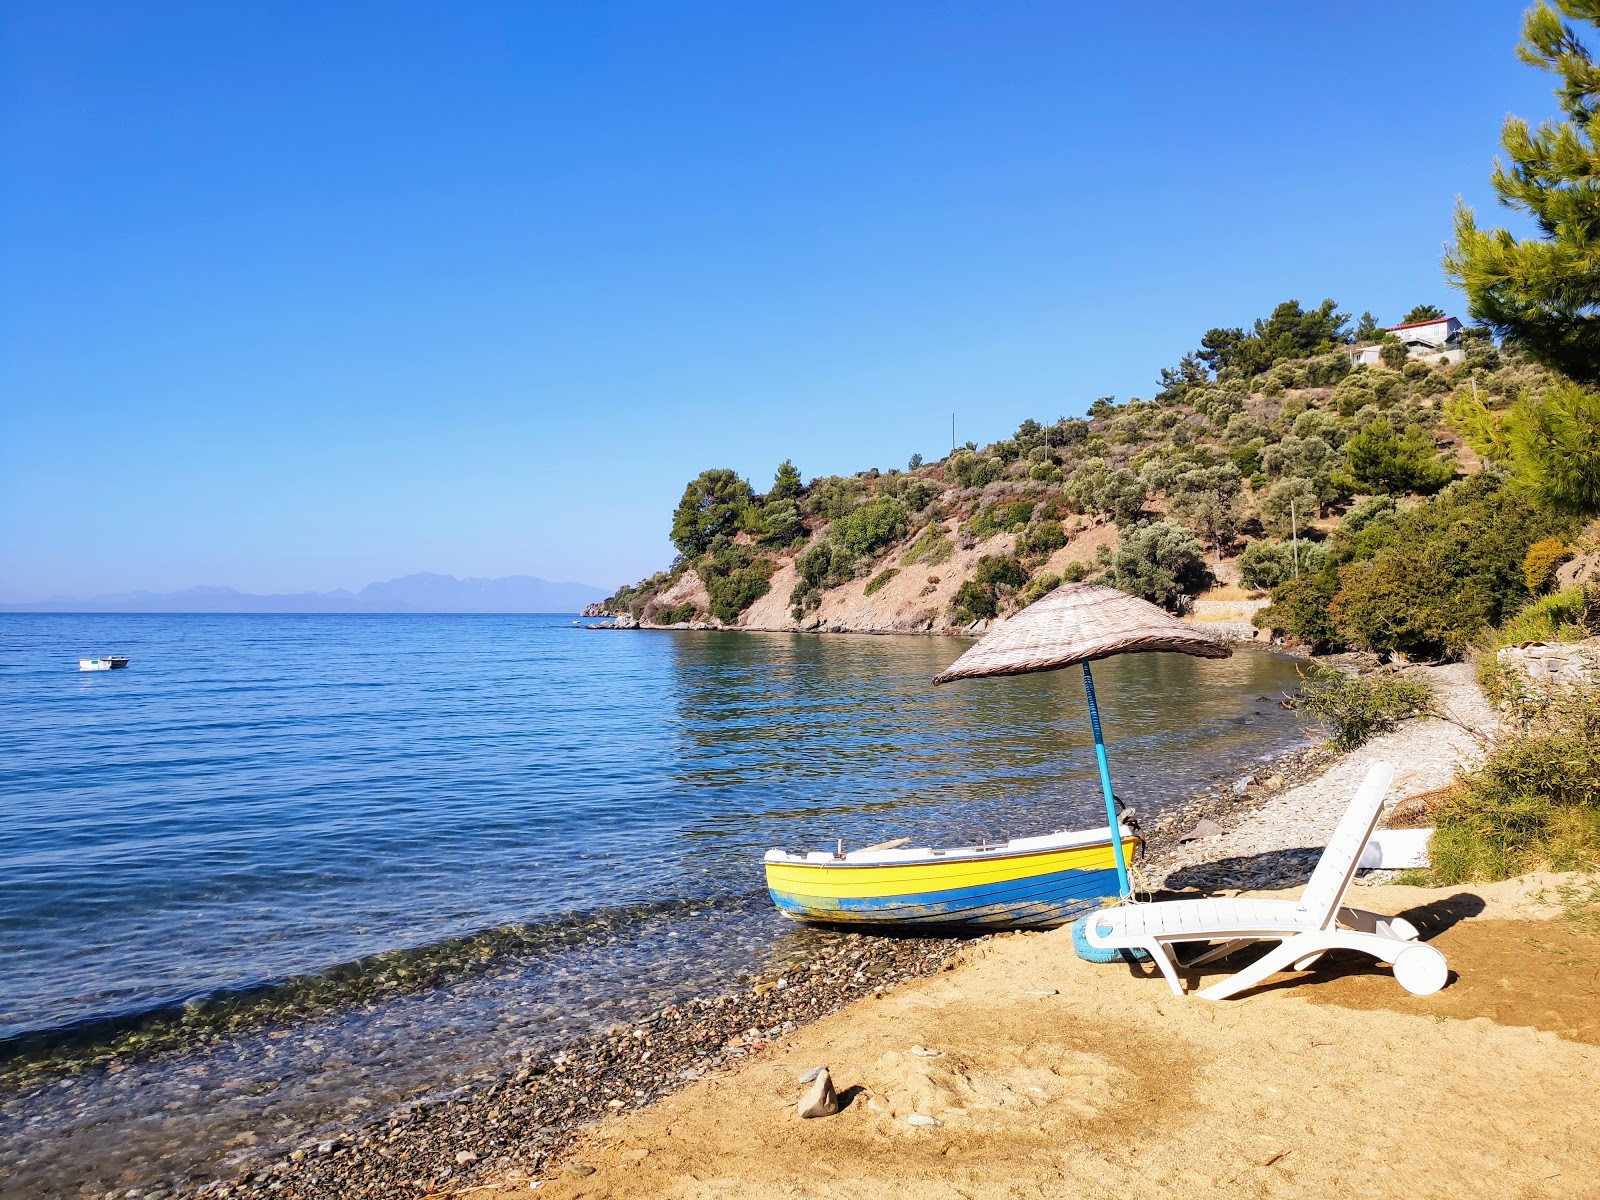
[299, 296]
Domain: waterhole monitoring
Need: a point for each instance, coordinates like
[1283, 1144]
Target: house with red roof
[1430, 341]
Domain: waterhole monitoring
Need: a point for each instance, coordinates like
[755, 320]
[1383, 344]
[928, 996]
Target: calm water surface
[264, 797]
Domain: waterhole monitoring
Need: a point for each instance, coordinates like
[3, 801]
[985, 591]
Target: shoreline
[516, 1125]
[519, 1127]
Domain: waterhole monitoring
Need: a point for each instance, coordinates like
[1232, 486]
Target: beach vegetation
[1535, 799]
[1358, 708]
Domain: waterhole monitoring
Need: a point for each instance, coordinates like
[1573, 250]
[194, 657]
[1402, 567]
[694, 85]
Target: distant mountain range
[424, 593]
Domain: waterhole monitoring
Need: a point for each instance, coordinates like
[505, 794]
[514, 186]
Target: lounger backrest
[1324, 893]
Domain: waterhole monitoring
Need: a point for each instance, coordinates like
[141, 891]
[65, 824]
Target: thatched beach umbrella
[1077, 623]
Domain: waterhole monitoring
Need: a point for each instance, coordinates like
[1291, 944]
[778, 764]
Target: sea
[286, 870]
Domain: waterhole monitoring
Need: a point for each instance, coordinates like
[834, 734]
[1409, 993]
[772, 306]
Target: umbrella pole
[1105, 784]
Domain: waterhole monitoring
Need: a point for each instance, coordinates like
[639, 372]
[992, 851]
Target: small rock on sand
[924, 1121]
[1203, 828]
[819, 1100]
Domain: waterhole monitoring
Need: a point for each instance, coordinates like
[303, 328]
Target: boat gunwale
[960, 855]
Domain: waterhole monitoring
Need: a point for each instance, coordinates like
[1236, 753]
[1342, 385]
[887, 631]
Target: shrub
[972, 603]
[776, 523]
[1265, 565]
[1565, 616]
[1384, 461]
[1534, 801]
[736, 591]
[675, 616]
[1158, 562]
[973, 470]
[933, 547]
[1299, 610]
[1046, 537]
[871, 527]
[1356, 709]
[1540, 563]
[877, 582]
[833, 497]
[1038, 586]
[1432, 579]
[917, 494]
[1074, 572]
[1393, 352]
[999, 570]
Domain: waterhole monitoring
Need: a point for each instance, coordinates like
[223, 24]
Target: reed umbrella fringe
[1078, 623]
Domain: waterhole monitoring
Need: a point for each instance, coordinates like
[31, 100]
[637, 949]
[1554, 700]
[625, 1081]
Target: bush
[1039, 586]
[973, 470]
[736, 591]
[675, 616]
[1540, 563]
[871, 527]
[1535, 800]
[1074, 572]
[877, 582]
[776, 523]
[1299, 610]
[1265, 565]
[1384, 461]
[1158, 562]
[1566, 616]
[1430, 581]
[833, 497]
[999, 570]
[973, 603]
[1393, 352]
[933, 547]
[1046, 537]
[1356, 709]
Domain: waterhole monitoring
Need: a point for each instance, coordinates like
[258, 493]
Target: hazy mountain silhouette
[422, 593]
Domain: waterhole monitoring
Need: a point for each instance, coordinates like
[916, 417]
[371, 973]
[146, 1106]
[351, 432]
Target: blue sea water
[258, 797]
[261, 801]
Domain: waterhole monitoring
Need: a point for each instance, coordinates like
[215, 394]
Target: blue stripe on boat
[1040, 901]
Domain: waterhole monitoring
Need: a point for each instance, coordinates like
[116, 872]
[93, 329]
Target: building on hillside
[1428, 340]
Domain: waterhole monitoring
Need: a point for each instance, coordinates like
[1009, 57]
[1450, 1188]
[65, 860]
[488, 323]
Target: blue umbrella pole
[1105, 784]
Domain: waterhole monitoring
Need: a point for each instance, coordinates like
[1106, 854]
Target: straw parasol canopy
[1076, 623]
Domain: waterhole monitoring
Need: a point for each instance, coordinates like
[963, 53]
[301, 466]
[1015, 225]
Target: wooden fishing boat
[1023, 883]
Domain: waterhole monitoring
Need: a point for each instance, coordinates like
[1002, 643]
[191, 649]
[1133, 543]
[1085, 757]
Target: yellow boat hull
[1027, 888]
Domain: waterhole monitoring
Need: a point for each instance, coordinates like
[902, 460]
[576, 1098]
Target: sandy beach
[1050, 1076]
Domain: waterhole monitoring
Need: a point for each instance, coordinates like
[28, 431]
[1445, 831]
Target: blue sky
[299, 296]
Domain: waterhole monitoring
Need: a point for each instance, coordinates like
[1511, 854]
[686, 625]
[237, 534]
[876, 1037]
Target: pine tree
[1544, 293]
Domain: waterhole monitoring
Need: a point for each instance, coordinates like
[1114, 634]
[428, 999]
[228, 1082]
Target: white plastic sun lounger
[1306, 929]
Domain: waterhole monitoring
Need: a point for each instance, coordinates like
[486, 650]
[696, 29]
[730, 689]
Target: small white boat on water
[110, 662]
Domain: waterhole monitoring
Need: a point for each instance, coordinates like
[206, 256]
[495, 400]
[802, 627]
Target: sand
[1056, 1077]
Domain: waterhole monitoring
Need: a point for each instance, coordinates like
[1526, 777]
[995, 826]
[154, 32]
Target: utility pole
[952, 433]
[1294, 534]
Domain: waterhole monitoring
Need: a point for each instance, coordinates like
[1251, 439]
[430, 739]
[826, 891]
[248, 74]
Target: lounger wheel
[1420, 969]
[1100, 954]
